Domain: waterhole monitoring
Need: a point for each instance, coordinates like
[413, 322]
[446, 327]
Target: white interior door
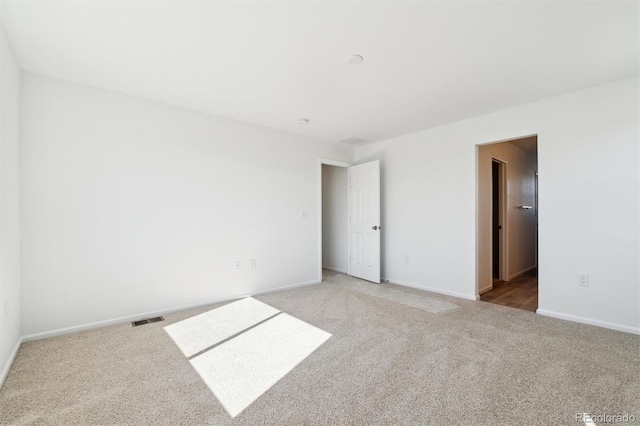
[364, 221]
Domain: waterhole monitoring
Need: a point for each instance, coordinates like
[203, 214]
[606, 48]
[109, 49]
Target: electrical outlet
[253, 264]
[583, 280]
[237, 266]
[304, 214]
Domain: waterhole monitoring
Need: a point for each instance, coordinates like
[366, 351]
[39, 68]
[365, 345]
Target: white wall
[132, 206]
[588, 198]
[9, 205]
[334, 217]
[518, 224]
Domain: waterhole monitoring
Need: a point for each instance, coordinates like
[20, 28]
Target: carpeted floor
[385, 363]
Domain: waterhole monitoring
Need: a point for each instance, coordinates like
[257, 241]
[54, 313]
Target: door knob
[374, 228]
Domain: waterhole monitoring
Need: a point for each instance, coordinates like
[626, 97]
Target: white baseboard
[119, 320]
[432, 289]
[9, 363]
[589, 321]
[104, 323]
[331, 268]
[485, 289]
[285, 287]
[521, 273]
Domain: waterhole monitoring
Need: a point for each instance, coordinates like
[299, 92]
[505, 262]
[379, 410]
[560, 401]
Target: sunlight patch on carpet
[243, 368]
[200, 332]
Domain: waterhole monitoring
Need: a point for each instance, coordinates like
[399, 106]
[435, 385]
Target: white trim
[104, 323]
[479, 225]
[9, 363]
[331, 268]
[485, 289]
[432, 289]
[589, 321]
[336, 163]
[120, 320]
[348, 218]
[521, 273]
[511, 139]
[284, 287]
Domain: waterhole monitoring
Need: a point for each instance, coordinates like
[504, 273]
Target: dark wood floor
[520, 293]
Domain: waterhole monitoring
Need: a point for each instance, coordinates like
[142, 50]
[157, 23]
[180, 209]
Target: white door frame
[337, 163]
[504, 212]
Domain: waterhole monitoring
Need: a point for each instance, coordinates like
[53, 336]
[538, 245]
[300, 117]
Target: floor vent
[146, 321]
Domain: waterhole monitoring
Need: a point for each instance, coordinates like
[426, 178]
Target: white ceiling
[271, 63]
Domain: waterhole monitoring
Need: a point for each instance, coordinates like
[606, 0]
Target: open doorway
[507, 223]
[498, 187]
[334, 218]
[349, 219]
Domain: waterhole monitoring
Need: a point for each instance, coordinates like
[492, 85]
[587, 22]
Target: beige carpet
[386, 363]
